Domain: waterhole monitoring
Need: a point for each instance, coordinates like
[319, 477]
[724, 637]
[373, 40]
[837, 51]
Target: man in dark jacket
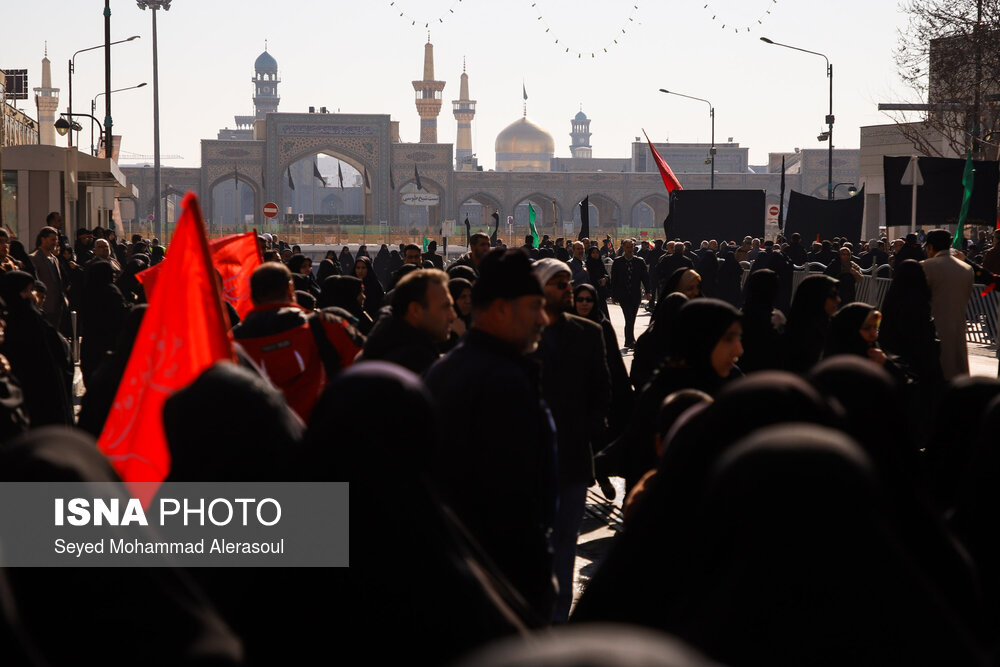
[432, 256]
[576, 385]
[420, 319]
[479, 245]
[629, 277]
[795, 250]
[910, 250]
[652, 259]
[499, 475]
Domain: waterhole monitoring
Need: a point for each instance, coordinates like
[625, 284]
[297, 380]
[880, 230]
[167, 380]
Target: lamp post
[64, 126]
[711, 113]
[829, 118]
[93, 110]
[851, 188]
[154, 5]
[72, 69]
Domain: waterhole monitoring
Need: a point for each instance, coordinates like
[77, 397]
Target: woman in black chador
[39, 356]
[102, 312]
[815, 302]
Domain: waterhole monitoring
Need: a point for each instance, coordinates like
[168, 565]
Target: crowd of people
[809, 479]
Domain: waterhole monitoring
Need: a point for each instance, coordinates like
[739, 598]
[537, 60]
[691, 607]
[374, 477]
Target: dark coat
[392, 339]
[623, 290]
[498, 472]
[576, 385]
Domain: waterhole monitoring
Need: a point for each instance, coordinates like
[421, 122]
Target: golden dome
[524, 137]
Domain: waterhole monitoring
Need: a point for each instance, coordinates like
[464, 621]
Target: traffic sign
[773, 210]
[270, 209]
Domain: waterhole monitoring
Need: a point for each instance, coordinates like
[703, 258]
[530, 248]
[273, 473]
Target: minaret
[47, 101]
[465, 110]
[580, 136]
[265, 85]
[428, 93]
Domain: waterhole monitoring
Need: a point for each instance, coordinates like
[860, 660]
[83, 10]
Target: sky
[361, 57]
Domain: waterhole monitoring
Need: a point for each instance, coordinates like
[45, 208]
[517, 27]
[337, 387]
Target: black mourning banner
[828, 218]
[729, 215]
[939, 199]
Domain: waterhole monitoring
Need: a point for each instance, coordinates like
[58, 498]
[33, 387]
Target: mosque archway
[605, 215]
[648, 214]
[324, 196]
[419, 210]
[235, 202]
[479, 210]
[548, 218]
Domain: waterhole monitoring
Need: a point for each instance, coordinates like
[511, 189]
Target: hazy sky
[361, 57]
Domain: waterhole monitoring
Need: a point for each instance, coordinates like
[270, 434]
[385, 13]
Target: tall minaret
[428, 94]
[265, 85]
[464, 110]
[580, 136]
[47, 101]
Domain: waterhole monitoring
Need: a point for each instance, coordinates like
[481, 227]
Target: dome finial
[265, 44]
[463, 64]
[46, 48]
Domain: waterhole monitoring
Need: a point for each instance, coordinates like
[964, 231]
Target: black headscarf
[793, 531]
[295, 263]
[342, 292]
[595, 314]
[373, 287]
[161, 617]
[845, 336]
[456, 286]
[808, 322]
[630, 586]
[653, 345]
[18, 252]
[327, 267]
[257, 440]
[455, 604]
[700, 325]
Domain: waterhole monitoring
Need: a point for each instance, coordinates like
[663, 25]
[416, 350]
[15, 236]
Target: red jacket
[281, 340]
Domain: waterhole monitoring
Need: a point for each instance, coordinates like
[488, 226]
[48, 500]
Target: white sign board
[301, 217]
[420, 199]
[568, 228]
[772, 214]
[448, 228]
[912, 169]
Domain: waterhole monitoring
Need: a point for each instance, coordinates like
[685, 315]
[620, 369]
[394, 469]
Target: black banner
[724, 215]
[939, 199]
[812, 216]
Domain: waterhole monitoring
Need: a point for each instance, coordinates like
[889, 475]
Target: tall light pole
[155, 5]
[829, 118]
[93, 110]
[72, 69]
[711, 114]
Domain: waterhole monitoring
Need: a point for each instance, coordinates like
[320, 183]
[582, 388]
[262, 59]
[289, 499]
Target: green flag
[968, 175]
[425, 244]
[531, 224]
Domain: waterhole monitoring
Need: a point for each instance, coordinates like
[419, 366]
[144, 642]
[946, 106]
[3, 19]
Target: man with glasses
[629, 278]
[576, 385]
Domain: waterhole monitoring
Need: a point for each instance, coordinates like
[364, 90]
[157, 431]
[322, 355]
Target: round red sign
[270, 209]
[773, 210]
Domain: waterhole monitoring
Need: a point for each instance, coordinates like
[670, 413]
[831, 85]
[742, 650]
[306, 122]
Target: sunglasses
[584, 300]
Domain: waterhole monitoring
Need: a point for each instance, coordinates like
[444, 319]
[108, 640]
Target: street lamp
[64, 126]
[829, 118]
[851, 188]
[72, 69]
[93, 110]
[711, 113]
[155, 5]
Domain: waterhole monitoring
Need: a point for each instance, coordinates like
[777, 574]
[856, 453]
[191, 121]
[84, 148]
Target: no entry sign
[270, 209]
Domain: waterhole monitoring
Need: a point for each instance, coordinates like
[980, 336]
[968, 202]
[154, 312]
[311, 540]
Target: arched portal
[479, 210]
[419, 211]
[648, 214]
[325, 197]
[605, 215]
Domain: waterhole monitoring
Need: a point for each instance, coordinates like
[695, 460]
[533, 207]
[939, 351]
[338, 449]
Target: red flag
[666, 173]
[235, 256]
[182, 334]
